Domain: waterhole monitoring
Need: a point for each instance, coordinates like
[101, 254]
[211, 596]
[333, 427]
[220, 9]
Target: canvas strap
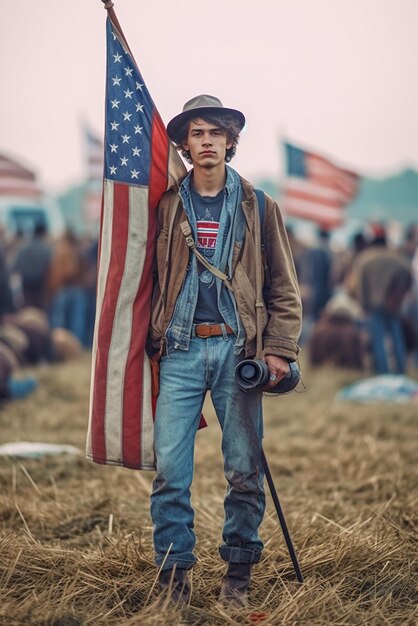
[187, 232]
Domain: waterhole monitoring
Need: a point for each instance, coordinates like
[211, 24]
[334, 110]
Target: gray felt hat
[198, 106]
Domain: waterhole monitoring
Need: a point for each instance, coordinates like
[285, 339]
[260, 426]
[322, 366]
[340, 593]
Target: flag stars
[124, 161]
[138, 129]
[128, 71]
[139, 108]
[127, 116]
[136, 151]
[114, 36]
[117, 57]
[139, 85]
[113, 169]
[113, 147]
[125, 138]
[134, 174]
[128, 93]
[115, 103]
[116, 81]
[114, 125]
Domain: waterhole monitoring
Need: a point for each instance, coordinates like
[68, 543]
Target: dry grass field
[75, 538]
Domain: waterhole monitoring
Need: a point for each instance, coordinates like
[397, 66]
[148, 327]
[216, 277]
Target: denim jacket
[231, 232]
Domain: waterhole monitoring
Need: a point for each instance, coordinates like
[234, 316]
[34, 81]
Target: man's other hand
[278, 368]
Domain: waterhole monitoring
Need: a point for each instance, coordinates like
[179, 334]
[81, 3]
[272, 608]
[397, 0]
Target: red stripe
[311, 215]
[333, 183]
[311, 197]
[159, 161]
[19, 191]
[134, 375]
[113, 281]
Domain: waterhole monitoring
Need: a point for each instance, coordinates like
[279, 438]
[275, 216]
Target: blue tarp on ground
[385, 388]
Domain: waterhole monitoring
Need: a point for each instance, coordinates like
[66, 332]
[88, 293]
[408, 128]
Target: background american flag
[17, 181]
[316, 189]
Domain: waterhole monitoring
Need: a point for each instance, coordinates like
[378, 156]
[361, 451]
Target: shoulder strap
[261, 200]
[187, 232]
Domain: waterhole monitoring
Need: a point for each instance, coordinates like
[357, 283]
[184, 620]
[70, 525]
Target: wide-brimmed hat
[198, 106]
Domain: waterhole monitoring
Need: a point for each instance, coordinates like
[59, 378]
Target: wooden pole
[108, 5]
[281, 517]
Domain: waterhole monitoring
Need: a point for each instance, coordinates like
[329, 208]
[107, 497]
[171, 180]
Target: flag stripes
[315, 189]
[17, 181]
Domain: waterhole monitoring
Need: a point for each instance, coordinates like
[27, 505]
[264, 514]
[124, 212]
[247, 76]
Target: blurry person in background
[89, 254]
[381, 279]
[338, 338]
[342, 268]
[10, 387]
[315, 276]
[68, 296]
[32, 265]
[409, 249]
[6, 295]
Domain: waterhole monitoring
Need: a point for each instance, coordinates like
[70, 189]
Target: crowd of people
[47, 303]
[360, 304]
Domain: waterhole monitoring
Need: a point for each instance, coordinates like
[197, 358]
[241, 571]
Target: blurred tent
[23, 202]
[80, 204]
[94, 152]
[72, 205]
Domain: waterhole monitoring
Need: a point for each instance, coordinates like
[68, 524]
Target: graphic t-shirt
[208, 212]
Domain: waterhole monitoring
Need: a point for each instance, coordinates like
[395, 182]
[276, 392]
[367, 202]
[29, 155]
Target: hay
[75, 539]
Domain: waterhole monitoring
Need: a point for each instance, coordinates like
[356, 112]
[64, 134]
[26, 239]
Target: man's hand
[278, 368]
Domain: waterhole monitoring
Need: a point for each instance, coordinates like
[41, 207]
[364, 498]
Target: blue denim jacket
[231, 231]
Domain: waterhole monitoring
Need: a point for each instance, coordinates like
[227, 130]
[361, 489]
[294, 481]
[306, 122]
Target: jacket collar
[248, 202]
[233, 180]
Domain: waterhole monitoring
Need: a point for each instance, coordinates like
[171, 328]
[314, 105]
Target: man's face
[206, 143]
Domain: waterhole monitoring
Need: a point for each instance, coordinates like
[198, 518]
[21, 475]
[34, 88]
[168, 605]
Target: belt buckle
[204, 335]
[199, 334]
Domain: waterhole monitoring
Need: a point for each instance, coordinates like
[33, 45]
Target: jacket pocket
[245, 297]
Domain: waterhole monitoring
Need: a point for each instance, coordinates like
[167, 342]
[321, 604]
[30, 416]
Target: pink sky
[339, 77]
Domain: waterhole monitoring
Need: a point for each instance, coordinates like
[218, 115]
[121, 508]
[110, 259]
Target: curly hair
[225, 122]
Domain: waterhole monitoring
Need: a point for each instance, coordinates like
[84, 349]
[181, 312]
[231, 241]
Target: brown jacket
[381, 279]
[282, 315]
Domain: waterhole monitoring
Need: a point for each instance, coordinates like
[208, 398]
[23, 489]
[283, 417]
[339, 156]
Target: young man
[203, 329]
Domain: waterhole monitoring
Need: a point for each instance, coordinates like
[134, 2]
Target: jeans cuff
[235, 554]
[182, 561]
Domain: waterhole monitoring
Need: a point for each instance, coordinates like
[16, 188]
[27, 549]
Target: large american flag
[316, 189]
[17, 181]
[140, 164]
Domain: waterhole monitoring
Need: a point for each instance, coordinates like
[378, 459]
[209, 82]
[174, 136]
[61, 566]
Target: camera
[253, 374]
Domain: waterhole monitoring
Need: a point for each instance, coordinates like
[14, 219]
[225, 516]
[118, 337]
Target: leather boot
[175, 584]
[235, 583]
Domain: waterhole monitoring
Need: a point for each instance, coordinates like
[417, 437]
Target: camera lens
[249, 372]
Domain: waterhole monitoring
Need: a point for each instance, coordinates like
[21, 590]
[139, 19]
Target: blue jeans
[69, 309]
[185, 376]
[384, 325]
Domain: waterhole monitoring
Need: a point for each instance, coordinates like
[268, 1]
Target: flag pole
[108, 5]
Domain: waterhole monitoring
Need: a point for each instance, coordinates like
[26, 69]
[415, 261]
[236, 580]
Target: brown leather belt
[211, 330]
